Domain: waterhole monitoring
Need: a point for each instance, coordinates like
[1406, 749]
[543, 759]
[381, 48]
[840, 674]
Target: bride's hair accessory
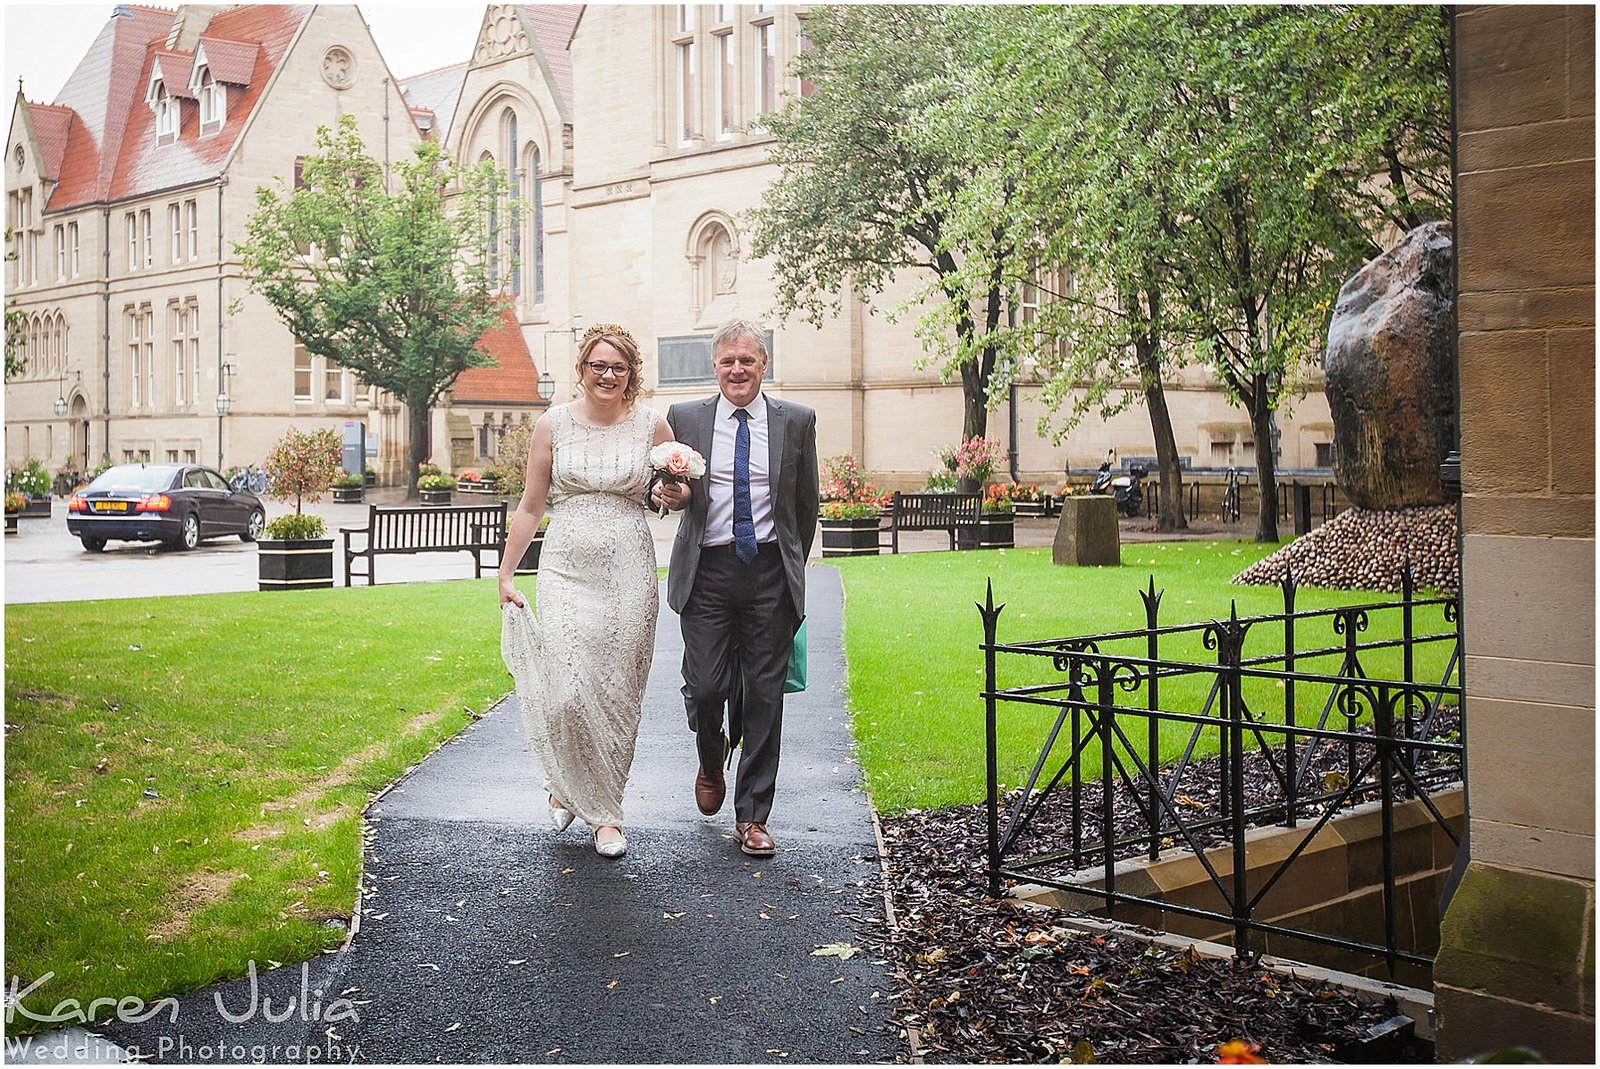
[607, 328]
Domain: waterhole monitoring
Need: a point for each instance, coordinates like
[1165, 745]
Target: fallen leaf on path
[842, 951]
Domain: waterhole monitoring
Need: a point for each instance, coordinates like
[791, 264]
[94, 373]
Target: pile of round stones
[1363, 549]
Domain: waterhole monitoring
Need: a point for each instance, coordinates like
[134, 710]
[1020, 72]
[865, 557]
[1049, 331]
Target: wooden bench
[426, 529]
[930, 512]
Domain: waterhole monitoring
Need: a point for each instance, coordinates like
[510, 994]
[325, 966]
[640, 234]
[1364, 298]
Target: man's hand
[670, 495]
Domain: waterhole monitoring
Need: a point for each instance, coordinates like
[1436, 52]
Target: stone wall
[1516, 964]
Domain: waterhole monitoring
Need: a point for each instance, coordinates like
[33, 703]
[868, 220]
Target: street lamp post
[224, 403]
[547, 382]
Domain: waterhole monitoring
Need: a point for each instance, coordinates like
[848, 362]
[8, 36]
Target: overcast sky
[44, 42]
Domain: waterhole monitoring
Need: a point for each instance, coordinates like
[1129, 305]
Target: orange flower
[1239, 1052]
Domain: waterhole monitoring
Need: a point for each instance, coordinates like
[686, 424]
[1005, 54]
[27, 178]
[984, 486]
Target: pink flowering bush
[846, 494]
[976, 458]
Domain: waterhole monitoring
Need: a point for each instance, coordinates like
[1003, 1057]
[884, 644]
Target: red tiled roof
[98, 92]
[175, 67]
[145, 166]
[552, 26]
[51, 127]
[513, 380]
[110, 153]
[230, 61]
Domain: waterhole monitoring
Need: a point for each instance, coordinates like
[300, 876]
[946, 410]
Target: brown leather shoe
[753, 839]
[708, 792]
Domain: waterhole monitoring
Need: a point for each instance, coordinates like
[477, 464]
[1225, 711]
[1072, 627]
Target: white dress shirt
[719, 474]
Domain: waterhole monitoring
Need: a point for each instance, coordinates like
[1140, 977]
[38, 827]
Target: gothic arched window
[514, 229]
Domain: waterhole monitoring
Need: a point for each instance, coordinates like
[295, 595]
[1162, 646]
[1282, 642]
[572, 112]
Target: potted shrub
[436, 489]
[293, 552]
[512, 473]
[348, 488]
[491, 478]
[996, 527]
[32, 481]
[470, 481]
[851, 513]
[369, 476]
[15, 503]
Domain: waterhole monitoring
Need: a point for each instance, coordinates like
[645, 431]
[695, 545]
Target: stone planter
[850, 538]
[529, 565]
[436, 497]
[295, 564]
[348, 495]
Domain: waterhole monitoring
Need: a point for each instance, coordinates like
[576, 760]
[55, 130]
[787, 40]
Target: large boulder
[1391, 373]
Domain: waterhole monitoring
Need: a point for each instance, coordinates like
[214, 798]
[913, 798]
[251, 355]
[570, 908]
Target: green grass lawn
[912, 633]
[185, 775]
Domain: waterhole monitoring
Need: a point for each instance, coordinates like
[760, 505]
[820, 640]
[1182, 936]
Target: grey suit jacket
[791, 471]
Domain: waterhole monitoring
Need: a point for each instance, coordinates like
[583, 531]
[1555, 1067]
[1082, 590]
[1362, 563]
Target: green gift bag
[795, 681]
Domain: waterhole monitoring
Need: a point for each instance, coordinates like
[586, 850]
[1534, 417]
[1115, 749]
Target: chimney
[189, 23]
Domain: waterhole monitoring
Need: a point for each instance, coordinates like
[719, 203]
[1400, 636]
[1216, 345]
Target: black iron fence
[1186, 736]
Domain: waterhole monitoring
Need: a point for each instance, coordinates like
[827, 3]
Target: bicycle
[1230, 496]
[250, 478]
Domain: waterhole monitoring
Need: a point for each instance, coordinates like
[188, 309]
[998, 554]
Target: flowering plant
[676, 462]
[976, 458]
[1025, 492]
[1239, 1052]
[997, 498]
[348, 480]
[846, 494]
[15, 502]
[470, 476]
[1065, 491]
[435, 482]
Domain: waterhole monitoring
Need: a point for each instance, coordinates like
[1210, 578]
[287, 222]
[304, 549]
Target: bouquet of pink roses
[675, 462]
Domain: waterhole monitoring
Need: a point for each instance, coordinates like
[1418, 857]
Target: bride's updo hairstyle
[624, 344]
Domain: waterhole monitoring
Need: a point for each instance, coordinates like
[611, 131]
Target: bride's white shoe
[610, 849]
[560, 816]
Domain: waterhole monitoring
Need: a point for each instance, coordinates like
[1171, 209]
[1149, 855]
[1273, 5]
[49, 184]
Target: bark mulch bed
[992, 980]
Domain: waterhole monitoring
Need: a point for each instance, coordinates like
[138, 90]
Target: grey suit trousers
[738, 628]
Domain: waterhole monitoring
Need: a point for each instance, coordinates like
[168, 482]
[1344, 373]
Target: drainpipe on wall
[105, 337]
[222, 180]
[386, 135]
[1011, 393]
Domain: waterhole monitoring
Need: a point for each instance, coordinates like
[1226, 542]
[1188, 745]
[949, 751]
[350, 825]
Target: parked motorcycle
[1126, 490]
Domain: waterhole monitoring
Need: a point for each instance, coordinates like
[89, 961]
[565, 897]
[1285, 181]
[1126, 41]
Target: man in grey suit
[737, 579]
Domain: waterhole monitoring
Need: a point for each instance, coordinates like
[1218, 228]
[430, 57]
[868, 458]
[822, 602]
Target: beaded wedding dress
[580, 666]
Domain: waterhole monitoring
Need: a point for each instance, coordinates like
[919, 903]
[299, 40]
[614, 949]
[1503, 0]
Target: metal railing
[1117, 732]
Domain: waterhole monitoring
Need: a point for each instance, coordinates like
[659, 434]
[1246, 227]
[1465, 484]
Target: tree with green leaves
[863, 181]
[16, 327]
[392, 285]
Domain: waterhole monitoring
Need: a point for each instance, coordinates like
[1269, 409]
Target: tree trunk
[1170, 516]
[1266, 465]
[417, 416]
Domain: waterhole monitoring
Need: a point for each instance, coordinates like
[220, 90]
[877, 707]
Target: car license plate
[112, 506]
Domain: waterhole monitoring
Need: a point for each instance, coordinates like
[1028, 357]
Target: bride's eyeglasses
[600, 371]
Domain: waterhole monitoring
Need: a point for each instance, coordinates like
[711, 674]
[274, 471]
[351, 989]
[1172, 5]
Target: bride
[580, 666]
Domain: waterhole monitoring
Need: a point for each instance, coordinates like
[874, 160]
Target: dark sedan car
[179, 504]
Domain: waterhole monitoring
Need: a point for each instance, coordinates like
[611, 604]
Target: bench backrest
[415, 526]
[934, 512]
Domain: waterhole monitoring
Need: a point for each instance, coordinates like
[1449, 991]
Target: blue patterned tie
[744, 524]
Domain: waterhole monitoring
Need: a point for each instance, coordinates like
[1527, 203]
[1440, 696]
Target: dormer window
[163, 105]
[213, 101]
[213, 98]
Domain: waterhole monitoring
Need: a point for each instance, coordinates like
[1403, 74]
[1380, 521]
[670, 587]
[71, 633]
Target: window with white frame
[191, 214]
[132, 220]
[61, 253]
[687, 75]
[166, 117]
[135, 351]
[175, 228]
[766, 60]
[803, 44]
[180, 354]
[536, 206]
[148, 238]
[213, 100]
[61, 343]
[727, 73]
[333, 390]
[172, 456]
[72, 242]
[149, 360]
[27, 242]
[194, 351]
[302, 375]
[514, 203]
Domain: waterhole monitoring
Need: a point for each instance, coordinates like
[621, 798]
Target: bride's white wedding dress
[580, 667]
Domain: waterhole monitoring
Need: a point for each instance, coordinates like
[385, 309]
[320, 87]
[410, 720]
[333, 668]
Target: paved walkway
[485, 937]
